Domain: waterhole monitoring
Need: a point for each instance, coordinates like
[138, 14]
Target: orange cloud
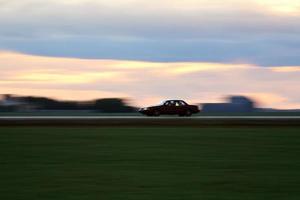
[66, 94]
[68, 78]
[267, 99]
[283, 7]
[147, 82]
[286, 69]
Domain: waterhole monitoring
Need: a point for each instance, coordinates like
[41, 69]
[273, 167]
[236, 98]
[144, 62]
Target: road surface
[150, 121]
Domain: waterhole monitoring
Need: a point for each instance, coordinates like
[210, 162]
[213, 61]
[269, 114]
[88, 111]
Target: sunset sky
[147, 51]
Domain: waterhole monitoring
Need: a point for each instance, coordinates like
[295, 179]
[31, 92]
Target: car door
[164, 109]
[180, 107]
[169, 108]
[173, 108]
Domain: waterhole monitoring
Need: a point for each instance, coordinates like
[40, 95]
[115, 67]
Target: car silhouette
[171, 107]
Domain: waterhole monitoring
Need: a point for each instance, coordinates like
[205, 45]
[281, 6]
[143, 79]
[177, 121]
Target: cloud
[135, 19]
[147, 82]
[255, 31]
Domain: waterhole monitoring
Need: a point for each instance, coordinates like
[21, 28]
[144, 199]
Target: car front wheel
[188, 113]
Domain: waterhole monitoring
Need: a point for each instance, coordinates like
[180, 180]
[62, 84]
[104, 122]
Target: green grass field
[149, 163]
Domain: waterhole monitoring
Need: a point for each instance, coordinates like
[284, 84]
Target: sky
[147, 51]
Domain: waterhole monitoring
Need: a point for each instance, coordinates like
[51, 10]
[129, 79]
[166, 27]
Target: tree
[112, 105]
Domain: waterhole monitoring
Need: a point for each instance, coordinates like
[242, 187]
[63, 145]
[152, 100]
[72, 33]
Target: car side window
[182, 103]
[178, 104]
[169, 103]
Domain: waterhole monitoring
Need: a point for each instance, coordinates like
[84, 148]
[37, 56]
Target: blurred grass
[149, 163]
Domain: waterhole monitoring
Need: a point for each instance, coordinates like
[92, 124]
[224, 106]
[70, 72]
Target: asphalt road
[150, 121]
[144, 117]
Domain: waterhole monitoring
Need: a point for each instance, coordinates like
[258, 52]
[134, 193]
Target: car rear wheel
[181, 114]
[156, 113]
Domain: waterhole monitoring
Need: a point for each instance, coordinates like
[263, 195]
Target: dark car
[171, 107]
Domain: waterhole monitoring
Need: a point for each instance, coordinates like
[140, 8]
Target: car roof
[174, 100]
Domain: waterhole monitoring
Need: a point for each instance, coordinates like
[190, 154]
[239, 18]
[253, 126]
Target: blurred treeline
[10, 103]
